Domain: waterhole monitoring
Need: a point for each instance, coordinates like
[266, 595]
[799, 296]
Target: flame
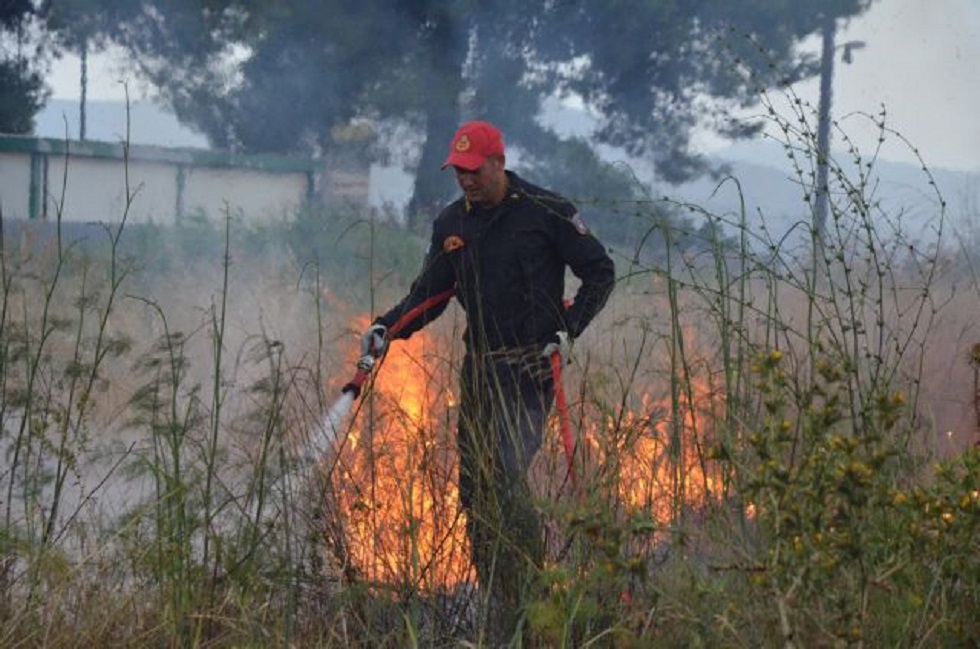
[659, 455]
[395, 477]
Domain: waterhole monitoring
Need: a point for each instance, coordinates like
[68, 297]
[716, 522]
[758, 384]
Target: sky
[921, 61]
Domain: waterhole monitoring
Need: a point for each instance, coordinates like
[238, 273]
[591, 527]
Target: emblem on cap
[452, 242]
[463, 144]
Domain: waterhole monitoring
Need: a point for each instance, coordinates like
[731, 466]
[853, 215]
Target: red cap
[472, 144]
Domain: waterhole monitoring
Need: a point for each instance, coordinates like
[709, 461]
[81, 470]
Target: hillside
[774, 195]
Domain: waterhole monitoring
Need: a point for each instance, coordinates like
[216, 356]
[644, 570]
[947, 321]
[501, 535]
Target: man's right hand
[373, 341]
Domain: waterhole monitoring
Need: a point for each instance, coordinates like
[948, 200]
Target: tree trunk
[433, 186]
[447, 49]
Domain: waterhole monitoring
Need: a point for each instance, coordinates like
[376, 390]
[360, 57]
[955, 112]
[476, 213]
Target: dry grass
[755, 449]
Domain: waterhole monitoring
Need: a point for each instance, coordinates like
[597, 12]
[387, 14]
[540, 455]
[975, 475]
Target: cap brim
[468, 161]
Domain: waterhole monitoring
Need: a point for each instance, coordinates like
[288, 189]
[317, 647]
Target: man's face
[484, 186]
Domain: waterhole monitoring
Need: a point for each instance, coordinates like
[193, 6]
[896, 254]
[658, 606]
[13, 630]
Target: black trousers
[504, 403]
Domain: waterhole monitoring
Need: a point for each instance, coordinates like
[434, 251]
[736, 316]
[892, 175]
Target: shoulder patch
[452, 242]
[579, 224]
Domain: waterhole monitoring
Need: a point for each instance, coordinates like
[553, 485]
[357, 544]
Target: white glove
[561, 344]
[373, 341]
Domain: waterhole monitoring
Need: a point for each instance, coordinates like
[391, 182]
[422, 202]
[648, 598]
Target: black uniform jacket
[507, 266]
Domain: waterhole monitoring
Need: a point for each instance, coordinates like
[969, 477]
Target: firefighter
[503, 247]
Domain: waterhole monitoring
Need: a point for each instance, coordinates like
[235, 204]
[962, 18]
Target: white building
[44, 178]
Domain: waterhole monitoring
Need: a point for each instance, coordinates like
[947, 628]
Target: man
[503, 248]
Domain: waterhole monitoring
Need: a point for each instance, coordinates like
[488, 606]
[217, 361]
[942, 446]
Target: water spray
[325, 436]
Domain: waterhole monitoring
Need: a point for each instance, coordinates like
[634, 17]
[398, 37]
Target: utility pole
[822, 189]
[84, 90]
[823, 133]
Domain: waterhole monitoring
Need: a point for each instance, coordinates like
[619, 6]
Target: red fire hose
[567, 440]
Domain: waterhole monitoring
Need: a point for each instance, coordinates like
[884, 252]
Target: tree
[80, 26]
[647, 67]
[22, 61]
[653, 70]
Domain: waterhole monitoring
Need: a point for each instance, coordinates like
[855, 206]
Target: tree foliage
[646, 68]
[281, 76]
[22, 61]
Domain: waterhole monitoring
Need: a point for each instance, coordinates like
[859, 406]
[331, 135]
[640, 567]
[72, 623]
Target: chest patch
[452, 242]
[579, 224]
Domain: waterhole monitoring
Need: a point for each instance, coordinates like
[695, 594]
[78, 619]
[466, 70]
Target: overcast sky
[921, 61]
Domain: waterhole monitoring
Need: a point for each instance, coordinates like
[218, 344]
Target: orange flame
[395, 477]
[659, 457]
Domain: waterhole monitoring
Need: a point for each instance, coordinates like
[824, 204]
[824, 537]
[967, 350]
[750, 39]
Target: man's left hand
[561, 344]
